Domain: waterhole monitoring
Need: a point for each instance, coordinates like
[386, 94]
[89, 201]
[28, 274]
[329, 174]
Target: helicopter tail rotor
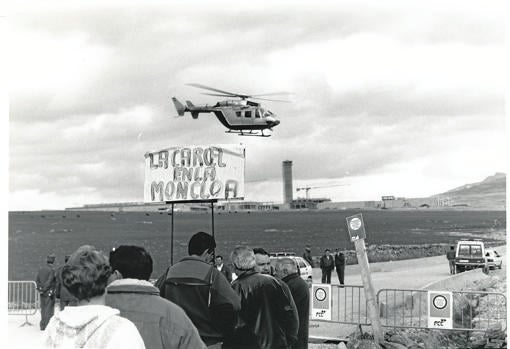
[179, 107]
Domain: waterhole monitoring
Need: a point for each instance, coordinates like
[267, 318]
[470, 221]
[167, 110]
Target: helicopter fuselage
[233, 114]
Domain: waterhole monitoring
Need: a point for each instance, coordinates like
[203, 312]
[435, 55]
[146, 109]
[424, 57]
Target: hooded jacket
[162, 324]
[91, 326]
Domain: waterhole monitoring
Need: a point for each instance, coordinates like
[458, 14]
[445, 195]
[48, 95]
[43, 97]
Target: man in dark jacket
[307, 255]
[450, 255]
[287, 270]
[222, 268]
[61, 292]
[161, 323]
[205, 295]
[268, 317]
[340, 266]
[327, 264]
[45, 283]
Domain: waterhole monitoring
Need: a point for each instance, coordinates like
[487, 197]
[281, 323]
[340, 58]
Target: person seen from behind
[61, 292]
[286, 269]
[307, 255]
[450, 255]
[268, 317]
[199, 288]
[161, 323]
[90, 324]
[45, 285]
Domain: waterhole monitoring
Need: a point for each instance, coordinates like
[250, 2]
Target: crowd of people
[199, 302]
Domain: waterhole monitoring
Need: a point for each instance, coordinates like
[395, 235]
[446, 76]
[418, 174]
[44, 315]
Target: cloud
[383, 90]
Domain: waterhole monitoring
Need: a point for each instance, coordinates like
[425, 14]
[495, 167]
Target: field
[33, 235]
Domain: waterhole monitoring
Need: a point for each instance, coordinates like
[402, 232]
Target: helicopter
[243, 117]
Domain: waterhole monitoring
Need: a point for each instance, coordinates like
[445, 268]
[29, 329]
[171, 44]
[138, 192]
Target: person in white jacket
[90, 324]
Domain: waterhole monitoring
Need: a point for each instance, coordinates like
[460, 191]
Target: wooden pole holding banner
[172, 237]
[357, 235]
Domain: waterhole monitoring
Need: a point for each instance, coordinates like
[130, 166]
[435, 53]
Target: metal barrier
[408, 308]
[349, 305]
[23, 299]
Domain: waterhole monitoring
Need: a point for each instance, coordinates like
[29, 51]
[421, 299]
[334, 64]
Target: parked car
[493, 259]
[304, 268]
[470, 254]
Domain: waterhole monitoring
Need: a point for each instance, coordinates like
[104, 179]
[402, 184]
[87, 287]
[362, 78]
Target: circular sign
[320, 294]
[440, 302]
[355, 223]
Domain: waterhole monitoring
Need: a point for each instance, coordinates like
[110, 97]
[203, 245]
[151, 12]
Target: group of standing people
[329, 262]
[193, 304]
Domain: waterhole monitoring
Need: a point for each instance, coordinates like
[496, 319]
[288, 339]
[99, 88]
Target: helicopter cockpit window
[238, 114]
[247, 114]
[267, 113]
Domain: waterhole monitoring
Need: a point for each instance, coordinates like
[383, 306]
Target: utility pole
[357, 235]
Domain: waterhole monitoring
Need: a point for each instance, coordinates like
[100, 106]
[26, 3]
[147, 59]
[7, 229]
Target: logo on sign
[355, 223]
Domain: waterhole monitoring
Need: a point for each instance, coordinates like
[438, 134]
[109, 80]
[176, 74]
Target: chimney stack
[287, 181]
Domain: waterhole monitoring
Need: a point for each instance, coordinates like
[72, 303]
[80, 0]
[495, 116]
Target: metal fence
[472, 310]
[23, 299]
[349, 305]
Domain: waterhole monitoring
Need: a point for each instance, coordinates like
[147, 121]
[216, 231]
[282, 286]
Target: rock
[341, 345]
[405, 341]
[391, 345]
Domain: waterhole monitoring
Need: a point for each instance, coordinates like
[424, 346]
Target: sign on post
[321, 302]
[195, 173]
[440, 309]
[356, 227]
[357, 234]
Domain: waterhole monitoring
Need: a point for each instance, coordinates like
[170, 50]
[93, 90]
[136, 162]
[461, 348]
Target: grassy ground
[32, 235]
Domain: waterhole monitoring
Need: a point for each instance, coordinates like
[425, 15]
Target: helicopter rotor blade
[217, 90]
[273, 94]
[272, 100]
[217, 94]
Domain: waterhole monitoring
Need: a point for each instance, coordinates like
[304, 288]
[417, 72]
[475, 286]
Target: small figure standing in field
[307, 255]
[61, 292]
[340, 266]
[222, 268]
[450, 255]
[327, 264]
[45, 281]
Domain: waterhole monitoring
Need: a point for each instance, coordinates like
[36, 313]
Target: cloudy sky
[393, 98]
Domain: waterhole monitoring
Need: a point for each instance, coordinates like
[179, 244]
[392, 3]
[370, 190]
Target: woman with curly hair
[90, 324]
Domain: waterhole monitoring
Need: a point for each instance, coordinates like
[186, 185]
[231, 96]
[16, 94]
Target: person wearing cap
[61, 292]
[45, 283]
[327, 264]
[340, 265]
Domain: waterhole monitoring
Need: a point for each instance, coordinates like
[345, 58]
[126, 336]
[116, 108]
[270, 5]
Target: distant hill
[487, 194]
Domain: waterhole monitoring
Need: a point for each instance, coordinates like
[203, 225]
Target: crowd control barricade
[23, 299]
[472, 310]
[349, 305]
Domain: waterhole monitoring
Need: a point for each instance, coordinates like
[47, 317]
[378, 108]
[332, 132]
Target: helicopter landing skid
[249, 133]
